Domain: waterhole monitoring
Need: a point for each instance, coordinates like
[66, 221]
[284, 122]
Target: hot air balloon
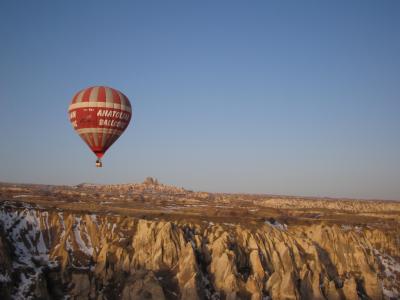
[100, 115]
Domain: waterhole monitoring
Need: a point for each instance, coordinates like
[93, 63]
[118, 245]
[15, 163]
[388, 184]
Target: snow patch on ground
[276, 225]
[357, 229]
[93, 217]
[25, 196]
[87, 249]
[68, 244]
[23, 227]
[5, 278]
[390, 286]
[229, 224]
[25, 231]
[347, 227]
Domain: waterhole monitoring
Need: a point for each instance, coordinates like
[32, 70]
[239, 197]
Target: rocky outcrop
[6, 268]
[93, 256]
[142, 285]
[349, 205]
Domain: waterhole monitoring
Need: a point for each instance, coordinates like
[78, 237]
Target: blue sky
[282, 97]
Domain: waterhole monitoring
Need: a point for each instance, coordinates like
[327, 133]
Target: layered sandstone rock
[88, 256]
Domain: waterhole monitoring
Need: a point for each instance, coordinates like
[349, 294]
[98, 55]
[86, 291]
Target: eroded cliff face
[48, 254]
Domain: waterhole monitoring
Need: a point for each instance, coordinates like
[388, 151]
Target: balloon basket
[99, 164]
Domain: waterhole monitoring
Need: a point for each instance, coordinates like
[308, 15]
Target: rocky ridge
[153, 241]
[90, 256]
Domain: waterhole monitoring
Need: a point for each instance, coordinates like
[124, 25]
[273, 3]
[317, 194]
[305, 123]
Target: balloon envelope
[100, 115]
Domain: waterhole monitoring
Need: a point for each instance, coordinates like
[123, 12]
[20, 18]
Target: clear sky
[282, 97]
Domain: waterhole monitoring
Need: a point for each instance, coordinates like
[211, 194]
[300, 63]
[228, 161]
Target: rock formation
[49, 253]
[112, 257]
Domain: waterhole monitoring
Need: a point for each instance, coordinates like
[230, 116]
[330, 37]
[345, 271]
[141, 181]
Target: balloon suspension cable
[99, 164]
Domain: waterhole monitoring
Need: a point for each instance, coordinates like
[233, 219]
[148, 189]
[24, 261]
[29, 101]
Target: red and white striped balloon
[100, 115]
